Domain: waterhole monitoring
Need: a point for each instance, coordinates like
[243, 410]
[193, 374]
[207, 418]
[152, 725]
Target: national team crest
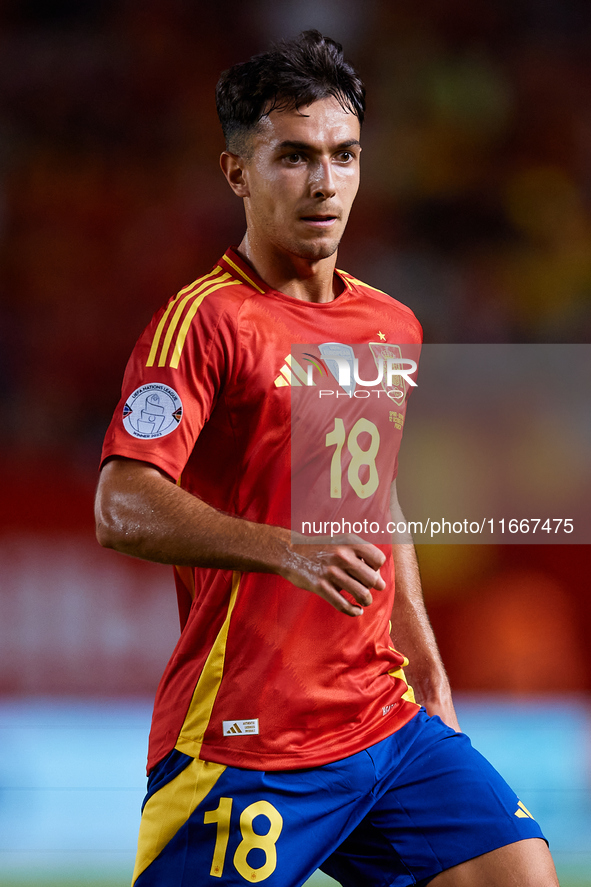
[381, 352]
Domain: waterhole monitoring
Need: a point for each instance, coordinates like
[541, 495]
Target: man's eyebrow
[305, 146]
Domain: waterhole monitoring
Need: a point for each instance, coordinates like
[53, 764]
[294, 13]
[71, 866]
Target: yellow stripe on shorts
[168, 809]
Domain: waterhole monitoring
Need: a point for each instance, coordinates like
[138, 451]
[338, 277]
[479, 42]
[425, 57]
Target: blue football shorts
[414, 804]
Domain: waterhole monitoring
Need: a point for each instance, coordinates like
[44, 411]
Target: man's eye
[346, 156]
[294, 158]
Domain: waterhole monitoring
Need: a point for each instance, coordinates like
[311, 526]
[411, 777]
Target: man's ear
[233, 167]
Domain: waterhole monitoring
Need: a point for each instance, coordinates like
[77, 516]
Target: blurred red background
[475, 210]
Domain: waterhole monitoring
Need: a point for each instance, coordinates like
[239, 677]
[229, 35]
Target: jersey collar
[238, 267]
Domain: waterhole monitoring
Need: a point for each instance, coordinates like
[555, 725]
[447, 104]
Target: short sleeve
[173, 379]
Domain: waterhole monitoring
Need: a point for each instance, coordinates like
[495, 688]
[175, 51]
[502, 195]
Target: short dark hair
[290, 74]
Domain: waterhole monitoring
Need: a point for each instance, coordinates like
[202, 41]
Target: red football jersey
[266, 675]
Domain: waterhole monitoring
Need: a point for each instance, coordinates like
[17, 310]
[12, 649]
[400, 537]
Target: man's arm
[140, 511]
[412, 633]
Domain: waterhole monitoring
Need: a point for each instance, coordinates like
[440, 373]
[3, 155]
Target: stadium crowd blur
[475, 210]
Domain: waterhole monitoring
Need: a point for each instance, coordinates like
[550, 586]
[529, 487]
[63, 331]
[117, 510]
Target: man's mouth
[321, 221]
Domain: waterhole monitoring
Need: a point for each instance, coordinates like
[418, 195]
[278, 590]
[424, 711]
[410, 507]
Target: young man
[285, 735]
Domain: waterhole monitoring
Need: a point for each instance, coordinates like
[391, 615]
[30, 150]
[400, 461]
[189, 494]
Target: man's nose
[323, 184]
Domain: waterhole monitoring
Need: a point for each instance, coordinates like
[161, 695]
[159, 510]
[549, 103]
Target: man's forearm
[139, 511]
[413, 635]
[411, 629]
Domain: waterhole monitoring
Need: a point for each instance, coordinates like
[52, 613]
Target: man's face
[301, 178]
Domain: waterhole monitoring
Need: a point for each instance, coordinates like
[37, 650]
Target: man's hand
[336, 568]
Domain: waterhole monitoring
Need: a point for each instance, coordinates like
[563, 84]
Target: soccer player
[286, 736]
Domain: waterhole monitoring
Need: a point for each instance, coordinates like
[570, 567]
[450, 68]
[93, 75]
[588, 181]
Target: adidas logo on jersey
[292, 373]
[522, 812]
[240, 728]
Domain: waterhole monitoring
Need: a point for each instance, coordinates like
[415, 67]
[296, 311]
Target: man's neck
[304, 279]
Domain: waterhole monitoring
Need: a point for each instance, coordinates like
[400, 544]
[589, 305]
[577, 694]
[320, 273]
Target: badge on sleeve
[152, 411]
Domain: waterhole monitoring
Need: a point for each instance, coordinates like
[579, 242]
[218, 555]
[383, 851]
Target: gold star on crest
[381, 335]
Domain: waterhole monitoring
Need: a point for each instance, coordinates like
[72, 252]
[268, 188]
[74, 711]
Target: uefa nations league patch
[154, 410]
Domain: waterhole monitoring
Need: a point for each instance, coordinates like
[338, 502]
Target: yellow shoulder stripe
[197, 292]
[192, 288]
[178, 347]
[242, 274]
[349, 277]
